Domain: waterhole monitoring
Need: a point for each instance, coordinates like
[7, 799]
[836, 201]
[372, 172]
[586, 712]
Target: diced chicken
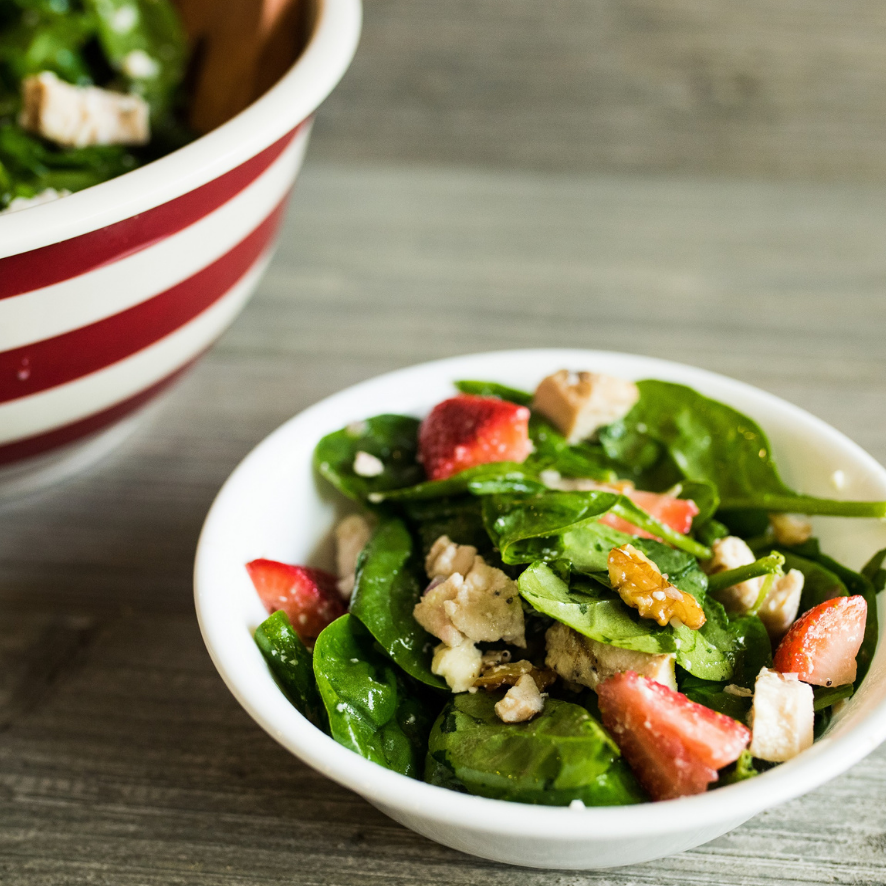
[521, 702]
[781, 716]
[49, 195]
[367, 465]
[446, 558]
[579, 659]
[782, 603]
[351, 536]
[578, 404]
[458, 665]
[77, 116]
[730, 553]
[790, 529]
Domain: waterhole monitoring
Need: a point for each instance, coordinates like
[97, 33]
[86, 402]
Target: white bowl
[273, 506]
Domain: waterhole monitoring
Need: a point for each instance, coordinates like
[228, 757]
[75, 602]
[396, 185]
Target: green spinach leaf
[711, 442]
[389, 584]
[371, 708]
[600, 615]
[391, 438]
[493, 389]
[494, 478]
[562, 755]
[291, 663]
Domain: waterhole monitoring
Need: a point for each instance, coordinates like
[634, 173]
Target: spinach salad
[601, 593]
[89, 89]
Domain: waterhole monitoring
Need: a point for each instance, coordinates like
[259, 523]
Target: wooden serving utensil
[240, 48]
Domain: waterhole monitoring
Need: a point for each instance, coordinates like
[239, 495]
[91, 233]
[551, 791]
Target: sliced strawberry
[674, 745]
[821, 645]
[467, 431]
[308, 596]
[674, 512]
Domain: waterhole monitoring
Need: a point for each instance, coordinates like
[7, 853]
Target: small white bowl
[273, 506]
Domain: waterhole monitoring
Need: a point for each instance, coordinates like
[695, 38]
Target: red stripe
[70, 258]
[54, 361]
[32, 446]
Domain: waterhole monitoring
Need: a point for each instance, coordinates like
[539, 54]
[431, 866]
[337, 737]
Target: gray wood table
[124, 759]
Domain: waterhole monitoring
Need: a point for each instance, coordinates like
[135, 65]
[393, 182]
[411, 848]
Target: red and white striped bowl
[109, 295]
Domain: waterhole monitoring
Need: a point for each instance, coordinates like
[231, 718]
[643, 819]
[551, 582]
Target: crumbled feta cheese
[577, 404]
[48, 195]
[139, 65]
[781, 716]
[446, 558]
[458, 665]
[367, 465]
[790, 529]
[838, 479]
[580, 659]
[356, 428]
[351, 536]
[738, 691]
[521, 702]
[782, 603]
[431, 615]
[577, 804]
[77, 116]
[730, 553]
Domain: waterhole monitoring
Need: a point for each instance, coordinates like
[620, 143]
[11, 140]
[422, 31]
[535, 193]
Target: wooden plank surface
[795, 89]
[123, 758]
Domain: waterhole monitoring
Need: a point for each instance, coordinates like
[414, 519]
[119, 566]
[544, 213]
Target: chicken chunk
[781, 716]
[446, 558]
[579, 659]
[521, 702]
[782, 603]
[487, 606]
[77, 116]
[458, 665]
[730, 553]
[790, 529]
[577, 404]
[351, 536]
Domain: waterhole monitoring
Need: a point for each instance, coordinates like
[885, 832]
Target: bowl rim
[287, 103]
[829, 757]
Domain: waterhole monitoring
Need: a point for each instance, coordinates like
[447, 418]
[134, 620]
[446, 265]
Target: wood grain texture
[123, 758]
[795, 89]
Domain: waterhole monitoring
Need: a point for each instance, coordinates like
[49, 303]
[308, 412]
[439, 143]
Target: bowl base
[42, 471]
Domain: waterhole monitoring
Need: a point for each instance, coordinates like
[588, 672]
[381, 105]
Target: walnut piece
[577, 404]
[640, 584]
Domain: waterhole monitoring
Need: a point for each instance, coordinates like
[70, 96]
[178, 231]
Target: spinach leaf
[151, 27]
[713, 443]
[875, 572]
[602, 616]
[459, 517]
[552, 451]
[562, 755]
[389, 584]
[493, 478]
[493, 389]
[819, 582]
[827, 696]
[510, 521]
[711, 694]
[371, 708]
[291, 663]
[391, 438]
[743, 768]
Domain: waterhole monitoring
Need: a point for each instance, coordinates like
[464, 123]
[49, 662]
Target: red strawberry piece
[308, 596]
[673, 745]
[466, 431]
[821, 645]
[674, 512]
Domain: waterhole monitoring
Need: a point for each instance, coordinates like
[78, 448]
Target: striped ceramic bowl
[109, 295]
